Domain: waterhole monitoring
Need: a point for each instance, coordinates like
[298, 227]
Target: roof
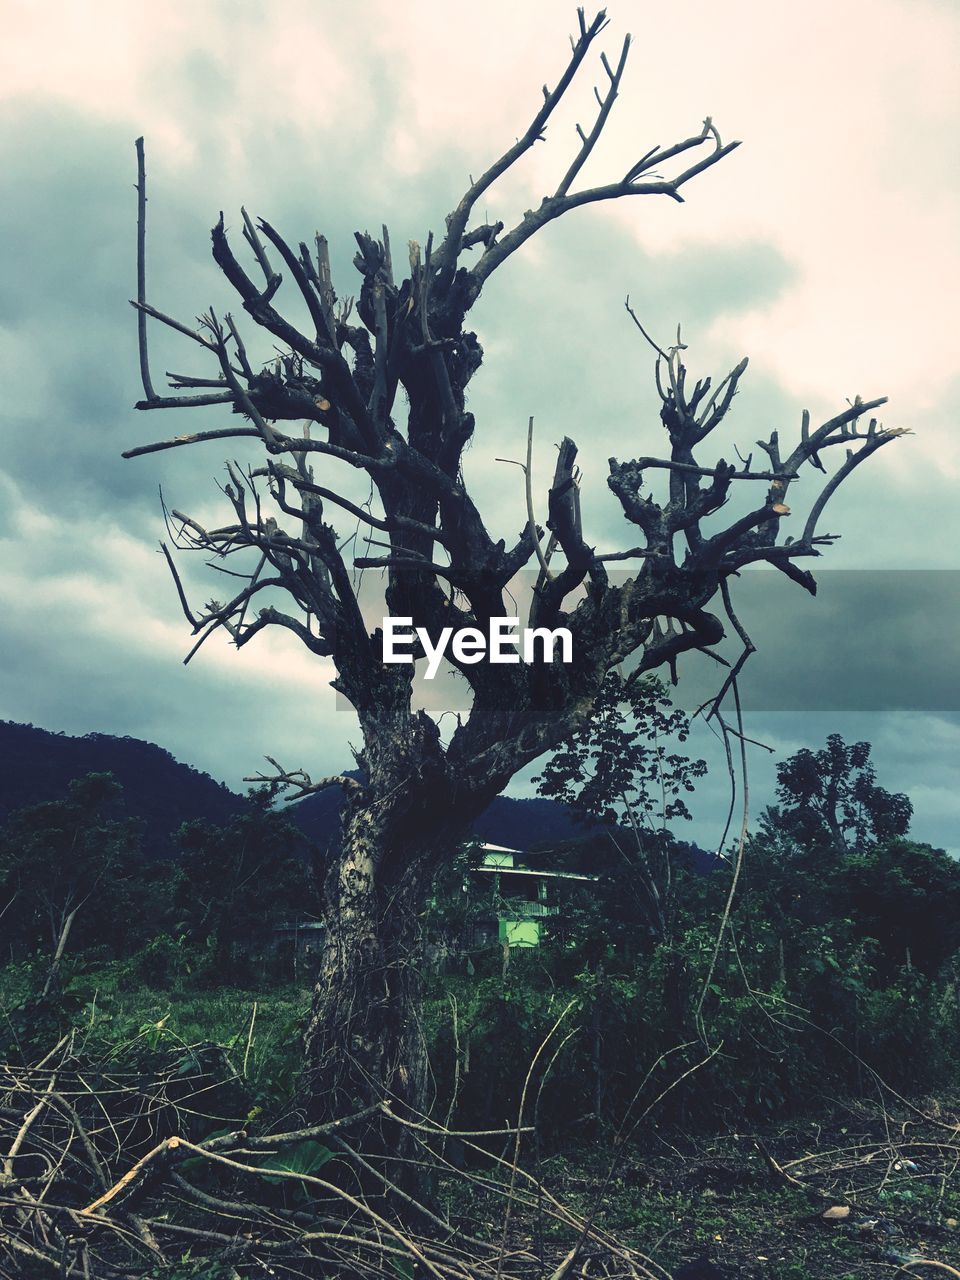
[533, 871]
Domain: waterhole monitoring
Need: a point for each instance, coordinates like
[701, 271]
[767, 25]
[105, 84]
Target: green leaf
[303, 1158]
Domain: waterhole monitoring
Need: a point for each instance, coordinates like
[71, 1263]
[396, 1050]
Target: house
[521, 897]
[508, 903]
[298, 943]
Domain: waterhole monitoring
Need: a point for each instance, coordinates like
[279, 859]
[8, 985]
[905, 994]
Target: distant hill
[525, 824]
[36, 765]
[519, 824]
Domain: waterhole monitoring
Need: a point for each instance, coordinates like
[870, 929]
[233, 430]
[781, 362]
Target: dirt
[866, 1193]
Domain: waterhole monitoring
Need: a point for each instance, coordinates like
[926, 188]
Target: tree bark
[53, 975]
[364, 1038]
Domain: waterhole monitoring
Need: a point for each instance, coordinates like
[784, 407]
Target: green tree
[235, 882]
[69, 867]
[906, 896]
[833, 794]
[622, 770]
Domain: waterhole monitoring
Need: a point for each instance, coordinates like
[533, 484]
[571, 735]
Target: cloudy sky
[824, 248]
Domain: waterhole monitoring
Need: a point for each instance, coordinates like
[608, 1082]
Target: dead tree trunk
[361, 1039]
[408, 816]
[379, 391]
[364, 1040]
[53, 974]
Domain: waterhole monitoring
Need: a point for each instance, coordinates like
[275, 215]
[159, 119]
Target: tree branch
[448, 252]
[148, 390]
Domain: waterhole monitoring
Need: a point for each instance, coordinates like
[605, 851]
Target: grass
[116, 1009]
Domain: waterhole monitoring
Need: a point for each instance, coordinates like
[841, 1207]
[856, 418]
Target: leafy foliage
[306, 1158]
[624, 771]
[833, 793]
[840, 968]
[841, 965]
[75, 855]
[234, 883]
[622, 761]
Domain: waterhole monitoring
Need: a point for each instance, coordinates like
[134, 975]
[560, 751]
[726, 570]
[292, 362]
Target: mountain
[526, 824]
[36, 765]
[518, 824]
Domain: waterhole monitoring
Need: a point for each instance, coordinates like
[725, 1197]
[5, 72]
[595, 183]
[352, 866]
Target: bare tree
[442, 568]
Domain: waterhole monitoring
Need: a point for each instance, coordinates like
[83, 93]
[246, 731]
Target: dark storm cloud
[92, 636]
[69, 338]
[871, 640]
[65, 358]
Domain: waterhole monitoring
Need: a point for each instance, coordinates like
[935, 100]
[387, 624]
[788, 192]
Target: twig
[246, 1052]
[519, 1130]
[145, 378]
